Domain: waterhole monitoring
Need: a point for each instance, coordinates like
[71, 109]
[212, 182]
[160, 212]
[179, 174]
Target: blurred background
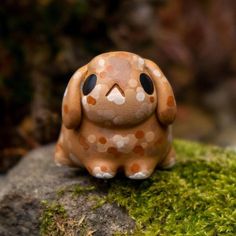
[42, 42]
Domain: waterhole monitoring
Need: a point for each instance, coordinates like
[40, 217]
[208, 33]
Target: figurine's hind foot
[140, 175]
[102, 170]
[169, 161]
[140, 169]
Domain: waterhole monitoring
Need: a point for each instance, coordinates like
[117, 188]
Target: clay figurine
[116, 112]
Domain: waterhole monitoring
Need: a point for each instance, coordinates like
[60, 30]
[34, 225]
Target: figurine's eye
[147, 83]
[89, 84]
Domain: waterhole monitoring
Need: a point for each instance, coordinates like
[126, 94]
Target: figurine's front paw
[138, 171]
[102, 172]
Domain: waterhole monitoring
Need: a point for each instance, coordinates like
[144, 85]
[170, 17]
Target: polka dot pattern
[102, 140]
[170, 101]
[91, 100]
[135, 168]
[149, 136]
[139, 134]
[66, 109]
[103, 135]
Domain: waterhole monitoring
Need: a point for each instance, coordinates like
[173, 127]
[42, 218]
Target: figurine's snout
[116, 94]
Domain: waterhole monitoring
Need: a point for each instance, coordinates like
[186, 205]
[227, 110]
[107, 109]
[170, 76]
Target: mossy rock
[196, 197]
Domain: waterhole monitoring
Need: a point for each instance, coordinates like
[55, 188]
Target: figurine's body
[116, 114]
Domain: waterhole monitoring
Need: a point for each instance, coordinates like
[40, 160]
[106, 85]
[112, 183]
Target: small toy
[116, 114]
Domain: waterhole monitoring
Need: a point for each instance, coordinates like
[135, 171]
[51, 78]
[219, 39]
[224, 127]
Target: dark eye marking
[146, 83]
[89, 84]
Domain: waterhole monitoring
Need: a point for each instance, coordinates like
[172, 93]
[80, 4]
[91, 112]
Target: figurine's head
[118, 89]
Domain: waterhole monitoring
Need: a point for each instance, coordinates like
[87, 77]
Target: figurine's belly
[148, 139]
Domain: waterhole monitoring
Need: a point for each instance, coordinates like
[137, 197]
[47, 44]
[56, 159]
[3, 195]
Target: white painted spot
[84, 101]
[120, 141]
[98, 173]
[140, 175]
[106, 114]
[140, 96]
[157, 73]
[116, 97]
[65, 93]
[144, 145]
[74, 159]
[91, 138]
[141, 61]
[139, 89]
[135, 57]
[101, 62]
[149, 136]
[96, 91]
[101, 147]
[133, 83]
[132, 140]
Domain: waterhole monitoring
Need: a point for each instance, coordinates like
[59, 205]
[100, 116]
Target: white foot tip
[140, 175]
[98, 173]
[58, 164]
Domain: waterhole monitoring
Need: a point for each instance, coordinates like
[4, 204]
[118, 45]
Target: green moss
[61, 191]
[53, 215]
[75, 189]
[196, 197]
[78, 189]
[55, 221]
[98, 201]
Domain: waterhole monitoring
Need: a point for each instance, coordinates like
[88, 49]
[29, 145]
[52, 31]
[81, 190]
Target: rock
[37, 179]
[2, 180]
[197, 195]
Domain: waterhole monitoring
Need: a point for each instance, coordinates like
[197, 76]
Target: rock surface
[196, 197]
[37, 179]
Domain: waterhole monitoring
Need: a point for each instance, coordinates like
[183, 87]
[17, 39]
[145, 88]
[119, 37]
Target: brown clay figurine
[116, 114]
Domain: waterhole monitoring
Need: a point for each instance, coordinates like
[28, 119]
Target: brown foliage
[43, 41]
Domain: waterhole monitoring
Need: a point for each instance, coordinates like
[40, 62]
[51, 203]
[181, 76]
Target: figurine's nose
[115, 88]
[116, 94]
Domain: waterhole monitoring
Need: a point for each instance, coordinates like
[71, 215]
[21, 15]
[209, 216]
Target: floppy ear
[71, 105]
[166, 105]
